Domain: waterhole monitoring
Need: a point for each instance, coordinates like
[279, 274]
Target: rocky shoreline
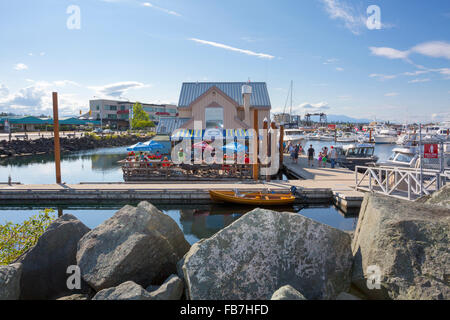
[16, 148]
[398, 251]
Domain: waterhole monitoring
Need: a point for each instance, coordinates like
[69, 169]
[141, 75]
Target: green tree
[138, 115]
[17, 238]
[143, 124]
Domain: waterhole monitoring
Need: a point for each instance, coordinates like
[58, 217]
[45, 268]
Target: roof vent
[246, 89]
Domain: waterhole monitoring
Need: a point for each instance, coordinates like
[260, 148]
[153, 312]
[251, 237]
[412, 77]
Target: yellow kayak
[252, 198]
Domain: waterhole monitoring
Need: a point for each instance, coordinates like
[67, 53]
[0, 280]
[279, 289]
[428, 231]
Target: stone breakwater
[16, 148]
[399, 251]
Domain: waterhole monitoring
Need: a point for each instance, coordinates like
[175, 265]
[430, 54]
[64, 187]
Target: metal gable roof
[190, 91]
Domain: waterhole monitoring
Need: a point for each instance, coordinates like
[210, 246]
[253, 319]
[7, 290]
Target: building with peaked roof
[224, 105]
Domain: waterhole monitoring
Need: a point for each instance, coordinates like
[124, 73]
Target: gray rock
[264, 250]
[126, 291]
[406, 243]
[10, 281]
[75, 297]
[45, 265]
[287, 293]
[440, 198]
[139, 244]
[171, 289]
[346, 296]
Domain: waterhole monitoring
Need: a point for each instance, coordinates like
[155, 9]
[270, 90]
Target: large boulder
[128, 290]
[44, 271]
[139, 244]
[439, 198]
[287, 293]
[401, 249]
[10, 281]
[171, 289]
[265, 250]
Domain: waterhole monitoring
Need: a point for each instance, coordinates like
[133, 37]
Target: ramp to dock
[340, 181]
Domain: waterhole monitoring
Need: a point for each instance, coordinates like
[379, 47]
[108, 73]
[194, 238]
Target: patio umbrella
[203, 145]
[235, 147]
[146, 146]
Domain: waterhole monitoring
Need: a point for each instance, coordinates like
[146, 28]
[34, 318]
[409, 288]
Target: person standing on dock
[291, 153]
[296, 151]
[333, 157]
[311, 152]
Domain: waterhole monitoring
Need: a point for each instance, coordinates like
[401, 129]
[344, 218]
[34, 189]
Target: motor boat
[385, 136]
[327, 137]
[293, 137]
[347, 137]
[408, 157]
[356, 154]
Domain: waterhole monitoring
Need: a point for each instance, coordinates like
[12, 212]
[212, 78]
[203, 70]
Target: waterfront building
[224, 105]
[116, 113]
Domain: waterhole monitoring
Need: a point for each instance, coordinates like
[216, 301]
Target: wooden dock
[316, 185]
[340, 181]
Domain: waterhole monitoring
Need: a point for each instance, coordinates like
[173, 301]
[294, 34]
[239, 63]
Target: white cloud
[339, 69]
[20, 66]
[118, 89]
[149, 5]
[415, 73]
[313, 107]
[419, 80]
[4, 91]
[226, 47]
[391, 94]
[389, 53]
[435, 49]
[382, 77]
[353, 20]
[37, 99]
[330, 61]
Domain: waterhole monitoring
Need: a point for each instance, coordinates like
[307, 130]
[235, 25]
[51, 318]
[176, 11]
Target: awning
[210, 134]
[146, 146]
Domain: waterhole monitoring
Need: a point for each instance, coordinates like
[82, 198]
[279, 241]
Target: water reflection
[196, 221]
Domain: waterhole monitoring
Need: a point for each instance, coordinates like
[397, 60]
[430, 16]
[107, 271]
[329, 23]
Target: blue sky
[144, 50]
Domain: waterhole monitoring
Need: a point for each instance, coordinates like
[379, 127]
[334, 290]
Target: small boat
[252, 198]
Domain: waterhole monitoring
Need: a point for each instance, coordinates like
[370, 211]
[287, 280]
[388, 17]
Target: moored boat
[252, 198]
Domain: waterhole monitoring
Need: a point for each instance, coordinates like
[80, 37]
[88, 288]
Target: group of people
[322, 159]
[144, 158]
[294, 151]
[238, 158]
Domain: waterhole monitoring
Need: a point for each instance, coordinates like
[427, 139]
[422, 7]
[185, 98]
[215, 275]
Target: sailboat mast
[290, 110]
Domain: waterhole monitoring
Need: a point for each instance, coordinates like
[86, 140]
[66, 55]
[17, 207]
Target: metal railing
[403, 183]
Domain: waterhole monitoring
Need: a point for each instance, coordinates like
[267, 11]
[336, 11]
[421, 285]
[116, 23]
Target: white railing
[404, 183]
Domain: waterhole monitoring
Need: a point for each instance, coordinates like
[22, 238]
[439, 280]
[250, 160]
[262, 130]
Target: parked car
[98, 130]
[107, 131]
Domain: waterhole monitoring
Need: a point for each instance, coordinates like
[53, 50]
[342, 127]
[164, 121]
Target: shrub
[17, 238]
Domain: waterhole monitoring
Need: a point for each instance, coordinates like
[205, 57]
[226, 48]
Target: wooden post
[56, 139]
[370, 135]
[281, 144]
[255, 147]
[267, 136]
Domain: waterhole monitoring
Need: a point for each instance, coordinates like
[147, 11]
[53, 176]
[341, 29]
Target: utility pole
[420, 159]
[255, 145]
[56, 138]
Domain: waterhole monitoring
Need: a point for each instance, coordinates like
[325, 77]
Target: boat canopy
[210, 134]
[147, 146]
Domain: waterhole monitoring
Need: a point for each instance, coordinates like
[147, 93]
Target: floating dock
[316, 185]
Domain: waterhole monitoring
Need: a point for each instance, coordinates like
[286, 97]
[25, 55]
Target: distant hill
[342, 118]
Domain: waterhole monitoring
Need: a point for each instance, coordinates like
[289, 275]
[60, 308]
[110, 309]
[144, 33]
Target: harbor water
[101, 165]
[196, 221]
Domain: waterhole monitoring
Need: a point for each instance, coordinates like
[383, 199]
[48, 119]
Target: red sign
[332, 126]
[430, 151]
